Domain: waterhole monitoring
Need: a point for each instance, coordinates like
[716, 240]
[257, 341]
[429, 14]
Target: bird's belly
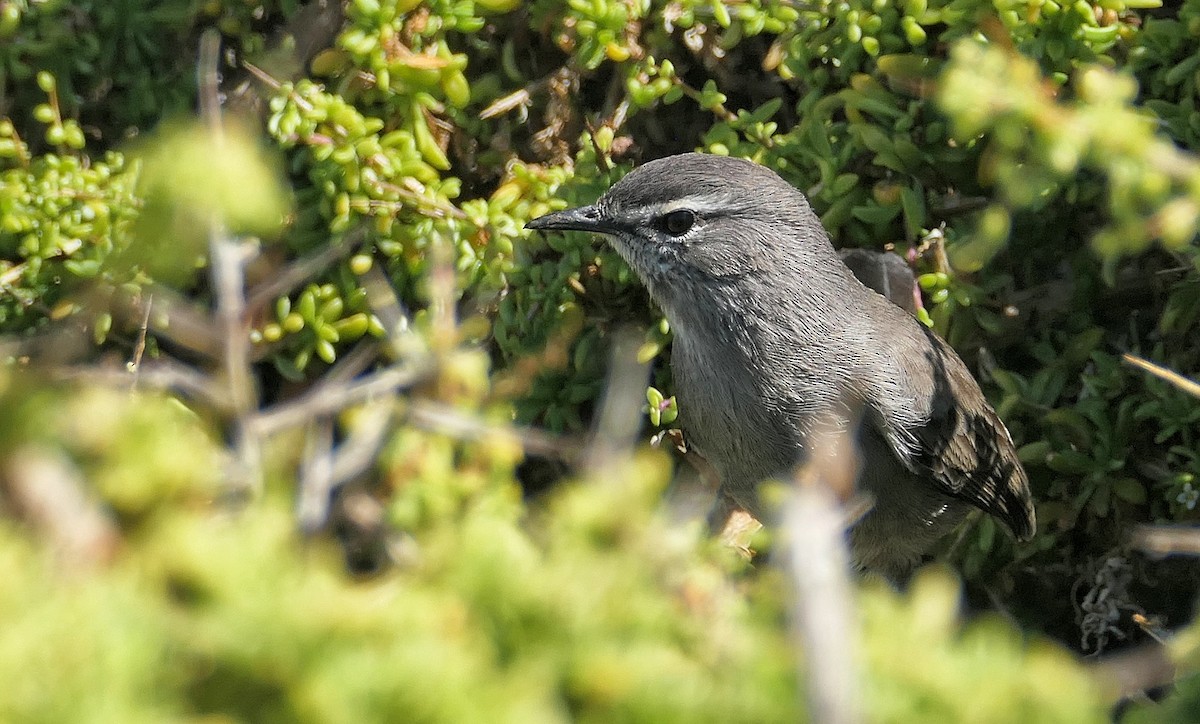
[909, 514]
[747, 442]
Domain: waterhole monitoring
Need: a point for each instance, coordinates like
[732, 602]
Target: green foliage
[62, 217]
[1165, 61]
[85, 46]
[190, 178]
[1008, 679]
[601, 613]
[1037, 159]
[1154, 190]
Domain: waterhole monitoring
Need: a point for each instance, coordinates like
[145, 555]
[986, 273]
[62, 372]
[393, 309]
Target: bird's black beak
[584, 218]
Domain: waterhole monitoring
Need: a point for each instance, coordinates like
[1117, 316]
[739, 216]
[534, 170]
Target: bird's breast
[745, 435]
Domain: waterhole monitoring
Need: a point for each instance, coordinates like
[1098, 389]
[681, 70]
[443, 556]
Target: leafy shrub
[1036, 160]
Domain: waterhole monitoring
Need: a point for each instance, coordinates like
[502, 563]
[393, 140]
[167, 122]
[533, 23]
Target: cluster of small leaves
[1009, 678]
[1115, 449]
[81, 237]
[551, 289]
[119, 65]
[322, 312]
[1107, 417]
[377, 152]
[243, 23]
[75, 78]
[362, 170]
[61, 217]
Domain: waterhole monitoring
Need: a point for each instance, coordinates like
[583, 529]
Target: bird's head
[693, 223]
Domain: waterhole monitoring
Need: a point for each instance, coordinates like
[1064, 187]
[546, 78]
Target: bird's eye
[679, 221]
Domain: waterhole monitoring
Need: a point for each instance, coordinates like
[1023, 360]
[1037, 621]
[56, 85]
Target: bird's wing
[966, 450]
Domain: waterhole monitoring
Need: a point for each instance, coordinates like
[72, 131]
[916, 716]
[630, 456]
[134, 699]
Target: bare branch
[351, 364]
[361, 448]
[50, 493]
[1189, 386]
[1134, 671]
[1164, 540]
[158, 374]
[521, 98]
[227, 261]
[616, 427]
[208, 80]
[823, 616]
[382, 299]
[303, 270]
[449, 421]
[327, 400]
[316, 476]
[179, 320]
[139, 347]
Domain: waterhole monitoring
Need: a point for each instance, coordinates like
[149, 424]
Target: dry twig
[616, 427]
[159, 374]
[50, 493]
[1189, 386]
[303, 270]
[823, 615]
[228, 259]
[316, 476]
[328, 400]
[1166, 540]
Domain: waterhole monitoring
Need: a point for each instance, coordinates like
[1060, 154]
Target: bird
[775, 342]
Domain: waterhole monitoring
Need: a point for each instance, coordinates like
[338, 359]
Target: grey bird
[776, 341]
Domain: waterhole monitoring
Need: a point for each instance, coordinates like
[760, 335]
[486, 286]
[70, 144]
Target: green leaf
[1130, 490]
[913, 203]
[873, 213]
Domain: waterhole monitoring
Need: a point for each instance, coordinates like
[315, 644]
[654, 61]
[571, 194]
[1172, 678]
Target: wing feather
[966, 450]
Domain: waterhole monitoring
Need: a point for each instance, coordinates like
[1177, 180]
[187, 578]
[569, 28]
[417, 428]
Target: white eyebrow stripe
[701, 205]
